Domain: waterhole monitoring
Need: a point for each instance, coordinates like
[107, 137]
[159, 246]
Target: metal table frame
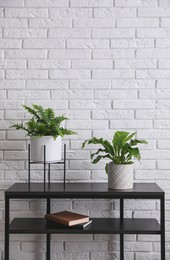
[48, 194]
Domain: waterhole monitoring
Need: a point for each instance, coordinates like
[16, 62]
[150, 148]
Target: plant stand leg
[29, 165]
[48, 236]
[44, 166]
[64, 165]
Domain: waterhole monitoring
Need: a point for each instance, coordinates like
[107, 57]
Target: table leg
[162, 201]
[7, 208]
[48, 237]
[121, 235]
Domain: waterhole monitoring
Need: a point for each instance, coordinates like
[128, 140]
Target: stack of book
[69, 219]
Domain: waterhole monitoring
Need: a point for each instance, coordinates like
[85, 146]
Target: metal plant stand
[119, 225]
[45, 163]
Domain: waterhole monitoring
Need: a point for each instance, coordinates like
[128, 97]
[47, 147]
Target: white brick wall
[106, 64]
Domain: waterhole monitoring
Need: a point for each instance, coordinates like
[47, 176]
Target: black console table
[99, 225]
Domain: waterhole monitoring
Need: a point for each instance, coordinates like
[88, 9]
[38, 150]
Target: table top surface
[82, 189]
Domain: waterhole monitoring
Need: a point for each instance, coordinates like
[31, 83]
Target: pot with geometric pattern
[120, 176]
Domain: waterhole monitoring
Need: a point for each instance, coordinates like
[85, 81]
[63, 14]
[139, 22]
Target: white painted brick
[115, 94]
[1, 74]
[9, 84]
[10, 104]
[18, 114]
[26, 74]
[163, 144]
[155, 155]
[26, 54]
[112, 74]
[87, 124]
[44, 44]
[132, 246]
[60, 104]
[154, 94]
[71, 256]
[110, 255]
[29, 246]
[87, 44]
[50, 23]
[164, 3]
[11, 165]
[162, 124]
[81, 246]
[10, 44]
[163, 165]
[70, 12]
[133, 84]
[163, 104]
[112, 114]
[151, 174]
[132, 43]
[165, 22]
[150, 74]
[77, 114]
[164, 64]
[25, 33]
[130, 124]
[134, 104]
[137, 22]
[47, 3]
[27, 256]
[94, 22]
[69, 74]
[136, 3]
[12, 22]
[151, 53]
[46, 84]
[92, 64]
[72, 94]
[26, 12]
[135, 64]
[12, 64]
[90, 84]
[28, 94]
[48, 64]
[2, 94]
[153, 134]
[113, 54]
[153, 33]
[12, 3]
[114, 12]
[71, 33]
[154, 12]
[69, 54]
[91, 3]
[113, 33]
[151, 114]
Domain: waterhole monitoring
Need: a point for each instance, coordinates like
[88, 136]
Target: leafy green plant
[122, 150]
[44, 123]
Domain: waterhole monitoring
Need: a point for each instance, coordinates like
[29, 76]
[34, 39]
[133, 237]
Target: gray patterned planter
[120, 176]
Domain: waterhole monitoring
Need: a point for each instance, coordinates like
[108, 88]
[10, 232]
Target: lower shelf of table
[98, 226]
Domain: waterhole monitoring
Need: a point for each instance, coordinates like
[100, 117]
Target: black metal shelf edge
[98, 226]
[82, 190]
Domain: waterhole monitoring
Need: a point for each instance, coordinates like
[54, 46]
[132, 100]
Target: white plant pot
[120, 176]
[53, 148]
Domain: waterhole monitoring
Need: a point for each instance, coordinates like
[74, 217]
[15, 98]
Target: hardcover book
[52, 224]
[67, 218]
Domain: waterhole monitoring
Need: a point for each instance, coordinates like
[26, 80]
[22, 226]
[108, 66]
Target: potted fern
[44, 129]
[121, 152]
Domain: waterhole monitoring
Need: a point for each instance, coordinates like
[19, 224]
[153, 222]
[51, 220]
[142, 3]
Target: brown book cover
[67, 218]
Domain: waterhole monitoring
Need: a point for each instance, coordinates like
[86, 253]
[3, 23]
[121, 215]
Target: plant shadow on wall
[44, 128]
[120, 151]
